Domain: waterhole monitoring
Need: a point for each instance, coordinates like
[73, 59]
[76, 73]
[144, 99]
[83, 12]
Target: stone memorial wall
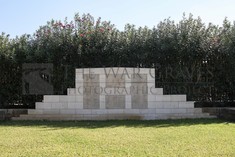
[114, 93]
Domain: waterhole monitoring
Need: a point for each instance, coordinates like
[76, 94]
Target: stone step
[111, 116]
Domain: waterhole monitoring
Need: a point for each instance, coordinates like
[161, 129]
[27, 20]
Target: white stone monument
[114, 93]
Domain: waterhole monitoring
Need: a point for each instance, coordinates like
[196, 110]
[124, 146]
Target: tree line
[189, 56]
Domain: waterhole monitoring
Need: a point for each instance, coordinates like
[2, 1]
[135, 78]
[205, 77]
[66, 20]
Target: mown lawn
[198, 137]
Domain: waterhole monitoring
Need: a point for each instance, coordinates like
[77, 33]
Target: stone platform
[114, 93]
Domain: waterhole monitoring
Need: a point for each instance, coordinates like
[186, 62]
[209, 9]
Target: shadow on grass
[111, 123]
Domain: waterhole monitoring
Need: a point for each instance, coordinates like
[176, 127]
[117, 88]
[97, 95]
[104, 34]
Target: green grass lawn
[198, 137]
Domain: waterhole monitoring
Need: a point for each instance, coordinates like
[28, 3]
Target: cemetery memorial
[114, 93]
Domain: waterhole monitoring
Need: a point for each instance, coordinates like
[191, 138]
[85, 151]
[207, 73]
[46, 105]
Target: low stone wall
[114, 93]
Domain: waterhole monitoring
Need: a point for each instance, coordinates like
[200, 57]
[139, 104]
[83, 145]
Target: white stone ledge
[33, 111]
[51, 98]
[75, 105]
[99, 111]
[179, 111]
[171, 98]
[163, 111]
[132, 111]
[116, 70]
[117, 91]
[83, 111]
[67, 111]
[171, 104]
[52, 111]
[186, 104]
[147, 111]
[43, 106]
[115, 111]
[56, 105]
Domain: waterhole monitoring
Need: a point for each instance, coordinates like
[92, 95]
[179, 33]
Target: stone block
[155, 91]
[56, 105]
[102, 85]
[79, 98]
[163, 111]
[115, 81]
[64, 105]
[63, 98]
[46, 106]
[33, 111]
[151, 84]
[163, 98]
[79, 76]
[128, 98]
[186, 104]
[68, 111]
[151, 111]
[102, 78]
[115, 111]
[173, 104]
[91, 101]
[51, 98]
[51, 111]
[71, 105]
[78, 105]
[71, 99]
[151, 98]
[102, 98]
[91, 79]
[139, 101]
[187, 115]
[99, 112]
[152, 104]
[139, 78]
[128, 105]
[132, 111]
[171, 98]
[177, 110]
[128, 85]
[178, 97]
[150, 78]
[79, 71]
[115, 101]
[71, 91]
[102, 105]
[39, 105]
[159, 104]
[144, 111]
[79, 86]
[83, 111]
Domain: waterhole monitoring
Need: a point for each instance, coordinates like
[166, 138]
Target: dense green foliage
[189, 55]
